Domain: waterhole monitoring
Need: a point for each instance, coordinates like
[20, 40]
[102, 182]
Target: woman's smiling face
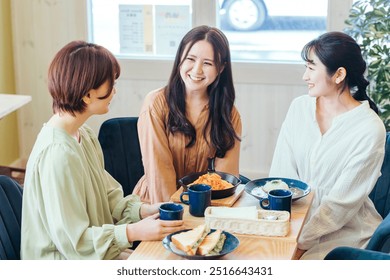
[318, 81]
[198, 69]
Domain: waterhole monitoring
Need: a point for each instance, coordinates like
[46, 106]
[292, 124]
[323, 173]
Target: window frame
[204, 12]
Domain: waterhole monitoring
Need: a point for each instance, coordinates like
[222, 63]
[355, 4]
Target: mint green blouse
[72, 208]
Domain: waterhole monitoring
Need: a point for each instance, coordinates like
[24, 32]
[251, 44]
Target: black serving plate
[215, 194]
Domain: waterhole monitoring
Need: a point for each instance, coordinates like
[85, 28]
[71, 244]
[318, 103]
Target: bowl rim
[205, 172]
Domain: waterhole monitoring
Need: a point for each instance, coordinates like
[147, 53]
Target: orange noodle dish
[213, 180]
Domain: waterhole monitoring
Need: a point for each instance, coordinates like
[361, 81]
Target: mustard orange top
[164, 155]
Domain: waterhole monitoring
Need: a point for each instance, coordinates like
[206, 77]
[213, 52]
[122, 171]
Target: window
[140, 28]
[264, 35]
[271, 30]
[256, 29]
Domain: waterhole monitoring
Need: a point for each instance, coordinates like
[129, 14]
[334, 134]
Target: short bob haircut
[76, 69]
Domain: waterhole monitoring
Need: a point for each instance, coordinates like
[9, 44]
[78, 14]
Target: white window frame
[204, 12]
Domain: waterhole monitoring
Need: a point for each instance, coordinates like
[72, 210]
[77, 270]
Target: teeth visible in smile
[195, 78]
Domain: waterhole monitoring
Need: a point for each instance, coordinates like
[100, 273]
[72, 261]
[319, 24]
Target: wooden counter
[12, 102]
[251, 246]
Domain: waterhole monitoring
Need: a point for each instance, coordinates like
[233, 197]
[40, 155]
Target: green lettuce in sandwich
[212, 244]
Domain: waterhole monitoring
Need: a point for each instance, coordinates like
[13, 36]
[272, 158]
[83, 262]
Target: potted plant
[369, 24]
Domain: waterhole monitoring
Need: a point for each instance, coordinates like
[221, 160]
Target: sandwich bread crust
[189, 241]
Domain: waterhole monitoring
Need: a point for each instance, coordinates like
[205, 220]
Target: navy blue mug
[199, 198]
[278, 199]
[171, 211]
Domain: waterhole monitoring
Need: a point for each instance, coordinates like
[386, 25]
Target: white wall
[41, 28]
[262, 109]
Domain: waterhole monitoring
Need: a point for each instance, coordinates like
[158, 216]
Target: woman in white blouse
[333, 140]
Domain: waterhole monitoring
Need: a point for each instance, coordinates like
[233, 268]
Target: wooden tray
[227, 201]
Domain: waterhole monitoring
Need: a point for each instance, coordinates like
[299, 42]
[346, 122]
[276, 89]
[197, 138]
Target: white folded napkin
[247, 213]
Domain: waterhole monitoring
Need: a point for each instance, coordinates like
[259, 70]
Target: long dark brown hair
[221, 92]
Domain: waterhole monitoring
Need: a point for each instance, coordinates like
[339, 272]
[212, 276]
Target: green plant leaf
[369, 24]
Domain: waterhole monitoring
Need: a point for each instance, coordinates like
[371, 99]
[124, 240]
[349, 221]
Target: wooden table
[12, 102]
[251, 246]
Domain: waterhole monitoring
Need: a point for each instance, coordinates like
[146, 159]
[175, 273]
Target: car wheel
[244, 15]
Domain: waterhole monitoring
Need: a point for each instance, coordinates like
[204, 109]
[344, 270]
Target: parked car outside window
[248, 15]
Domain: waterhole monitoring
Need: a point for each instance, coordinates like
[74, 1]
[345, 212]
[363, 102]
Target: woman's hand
[149, 209]
[151, 228]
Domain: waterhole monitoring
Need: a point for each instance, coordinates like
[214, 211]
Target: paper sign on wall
[140, 34]
[172, 23]
[136, 29]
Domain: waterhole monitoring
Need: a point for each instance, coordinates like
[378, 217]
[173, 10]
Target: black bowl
[215, 194]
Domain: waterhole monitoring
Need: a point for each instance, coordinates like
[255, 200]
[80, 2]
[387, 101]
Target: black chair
[11, 194]
[122, 153]
[350, 253]
[380, 240]
[380, 195]
[15, 173]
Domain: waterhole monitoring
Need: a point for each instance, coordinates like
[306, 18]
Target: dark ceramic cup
[171, 211]
[199, 198]
[278, 199]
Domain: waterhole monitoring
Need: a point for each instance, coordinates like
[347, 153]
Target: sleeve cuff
[135, 215]
[121, 236]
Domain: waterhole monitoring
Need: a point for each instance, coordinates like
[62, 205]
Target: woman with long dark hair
[192, 118]
[333, 140]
